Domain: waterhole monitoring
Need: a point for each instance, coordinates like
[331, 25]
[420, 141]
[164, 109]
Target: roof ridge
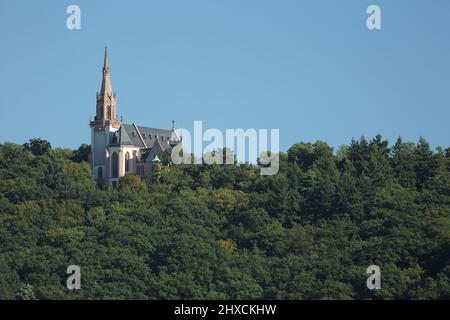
[139, 134]
[146, 128]
[160, 145]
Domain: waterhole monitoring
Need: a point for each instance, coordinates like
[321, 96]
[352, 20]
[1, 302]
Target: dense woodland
[225, 231]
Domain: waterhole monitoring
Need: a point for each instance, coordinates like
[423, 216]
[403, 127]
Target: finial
[173, 125]
[105, 64]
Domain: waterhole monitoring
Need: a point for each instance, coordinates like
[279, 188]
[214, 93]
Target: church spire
[106, 89]
[105, 63]
[106, 99]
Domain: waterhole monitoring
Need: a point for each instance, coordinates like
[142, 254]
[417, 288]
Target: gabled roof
[174, 136]
[128, 135]
[123, 137]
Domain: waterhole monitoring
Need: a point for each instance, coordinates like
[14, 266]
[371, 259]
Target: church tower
[104, 125]
[106, 101]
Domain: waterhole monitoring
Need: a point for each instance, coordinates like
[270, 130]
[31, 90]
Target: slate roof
[128, 135]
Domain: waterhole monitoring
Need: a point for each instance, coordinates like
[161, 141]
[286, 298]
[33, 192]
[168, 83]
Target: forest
[225, 231]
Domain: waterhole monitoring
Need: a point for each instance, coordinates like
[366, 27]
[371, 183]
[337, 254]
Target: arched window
[109, 112]
[115, 165]
[100, 173]
[127, 162]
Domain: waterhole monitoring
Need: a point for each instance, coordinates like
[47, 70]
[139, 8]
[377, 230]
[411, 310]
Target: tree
[302, 154]
[82, 153]
[132, 182]
[38, 146]
[425, 165]
[403, 163]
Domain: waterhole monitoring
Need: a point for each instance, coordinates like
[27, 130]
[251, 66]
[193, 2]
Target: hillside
[226, 232]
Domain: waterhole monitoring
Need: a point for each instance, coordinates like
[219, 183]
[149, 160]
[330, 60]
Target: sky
[309, 68]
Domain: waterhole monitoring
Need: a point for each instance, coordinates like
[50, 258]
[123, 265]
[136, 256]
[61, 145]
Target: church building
[120, 148]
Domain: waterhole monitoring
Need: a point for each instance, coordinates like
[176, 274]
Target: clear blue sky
[310, 68]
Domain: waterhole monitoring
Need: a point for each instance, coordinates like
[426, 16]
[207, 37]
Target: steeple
[105, 62]
[174, 140]
[106, 100]
[106, 89]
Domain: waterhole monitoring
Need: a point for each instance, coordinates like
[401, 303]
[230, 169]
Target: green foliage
[225, 231]
[82, 153]
[26, 293]
[133, 183]
[38, 146]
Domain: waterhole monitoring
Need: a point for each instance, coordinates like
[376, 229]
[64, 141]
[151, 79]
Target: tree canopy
[225, 231]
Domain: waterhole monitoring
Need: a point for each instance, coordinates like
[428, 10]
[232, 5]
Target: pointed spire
[106, 99]
[173, 137]
[105, 63]
[106, 89]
